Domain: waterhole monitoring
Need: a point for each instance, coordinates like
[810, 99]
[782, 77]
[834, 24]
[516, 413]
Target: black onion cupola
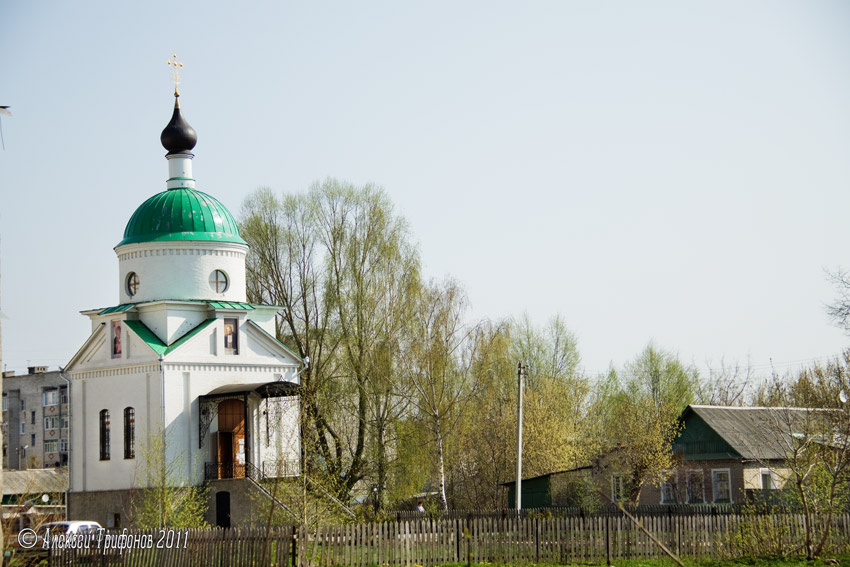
[178, 137]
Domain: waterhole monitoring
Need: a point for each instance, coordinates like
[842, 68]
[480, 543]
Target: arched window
[104, 435]
[129, 433]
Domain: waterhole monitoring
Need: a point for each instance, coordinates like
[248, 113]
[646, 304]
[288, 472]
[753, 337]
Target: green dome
[181, 214]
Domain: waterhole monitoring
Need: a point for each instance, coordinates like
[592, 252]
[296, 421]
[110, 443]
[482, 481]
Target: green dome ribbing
[181, 214]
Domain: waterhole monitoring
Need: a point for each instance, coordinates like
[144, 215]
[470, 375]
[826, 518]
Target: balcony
[218, 471]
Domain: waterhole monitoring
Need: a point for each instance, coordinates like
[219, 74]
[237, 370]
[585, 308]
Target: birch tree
[436, 362]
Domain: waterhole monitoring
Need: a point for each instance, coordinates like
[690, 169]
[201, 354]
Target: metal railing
[218, 471]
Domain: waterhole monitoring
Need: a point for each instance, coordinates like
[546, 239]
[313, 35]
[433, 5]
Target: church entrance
[224, 426]
[229, 441]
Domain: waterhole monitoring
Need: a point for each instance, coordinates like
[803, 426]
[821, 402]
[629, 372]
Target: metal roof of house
[755, 433]
[35, 481]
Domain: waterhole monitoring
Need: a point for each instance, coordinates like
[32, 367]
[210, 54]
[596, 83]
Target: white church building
[182, 360]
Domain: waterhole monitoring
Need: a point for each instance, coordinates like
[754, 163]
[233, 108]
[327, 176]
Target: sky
[665, 171]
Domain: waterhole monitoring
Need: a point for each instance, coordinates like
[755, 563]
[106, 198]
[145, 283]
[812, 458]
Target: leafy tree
[639, 414]
[556, 424]
[436, 359]
[340, 264]
[485, 448]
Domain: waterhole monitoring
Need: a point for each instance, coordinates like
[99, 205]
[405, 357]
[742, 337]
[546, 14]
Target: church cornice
[114, 371]
[226, 367]
[147, 251]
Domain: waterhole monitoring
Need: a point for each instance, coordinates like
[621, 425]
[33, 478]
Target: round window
[218, 281]
[132, 284]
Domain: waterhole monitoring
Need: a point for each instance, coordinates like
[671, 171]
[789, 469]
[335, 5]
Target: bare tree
[811, 424]
[725, 384]
[839, 310]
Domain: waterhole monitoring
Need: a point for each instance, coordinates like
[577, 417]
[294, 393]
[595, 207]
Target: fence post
[294, 546]
[679, 535]
[458, 536]
[607, 540]
[537, 540]
[467, 534]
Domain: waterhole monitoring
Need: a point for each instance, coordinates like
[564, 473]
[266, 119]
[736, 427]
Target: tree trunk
[807, 519]
[382, 468]
[439, 436]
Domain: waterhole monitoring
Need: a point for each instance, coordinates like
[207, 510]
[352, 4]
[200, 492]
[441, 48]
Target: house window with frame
[23, 404]
[50, 397]
[767, 480]
[721, 485]
[696, 490]
[53, 422]
[104, 435]
[23, 428]
[129, 433]
[51, 446]
[669, 488]
[5, 403]
[63, 445]
[619, 487]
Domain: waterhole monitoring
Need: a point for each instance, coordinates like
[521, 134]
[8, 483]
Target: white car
[68, 527]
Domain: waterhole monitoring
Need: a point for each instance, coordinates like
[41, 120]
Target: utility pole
[520, 373]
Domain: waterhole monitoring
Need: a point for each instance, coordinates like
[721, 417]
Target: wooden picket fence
[430, 542]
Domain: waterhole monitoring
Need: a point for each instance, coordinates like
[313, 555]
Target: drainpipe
[162, 430]
[162, 396]
[162, 403]
[70, 468]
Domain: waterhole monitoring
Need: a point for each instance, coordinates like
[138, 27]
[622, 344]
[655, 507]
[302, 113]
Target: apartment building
[36, 419]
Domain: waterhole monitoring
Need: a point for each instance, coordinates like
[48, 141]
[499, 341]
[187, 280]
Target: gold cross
[175, 64]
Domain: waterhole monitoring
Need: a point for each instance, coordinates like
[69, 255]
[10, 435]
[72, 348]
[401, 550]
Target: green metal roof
[118, 308]
[230, 305]
[157, 345]
[181, 214]
[214, 304]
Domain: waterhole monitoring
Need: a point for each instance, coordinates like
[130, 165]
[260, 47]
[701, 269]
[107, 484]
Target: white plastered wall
[169, 320]
[93, 391]
[181, 270]
[184, 384]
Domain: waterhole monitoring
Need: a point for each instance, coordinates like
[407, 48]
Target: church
[181, 367]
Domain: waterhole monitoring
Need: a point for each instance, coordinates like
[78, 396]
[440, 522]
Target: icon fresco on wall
[116, 339]
[231, 336]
